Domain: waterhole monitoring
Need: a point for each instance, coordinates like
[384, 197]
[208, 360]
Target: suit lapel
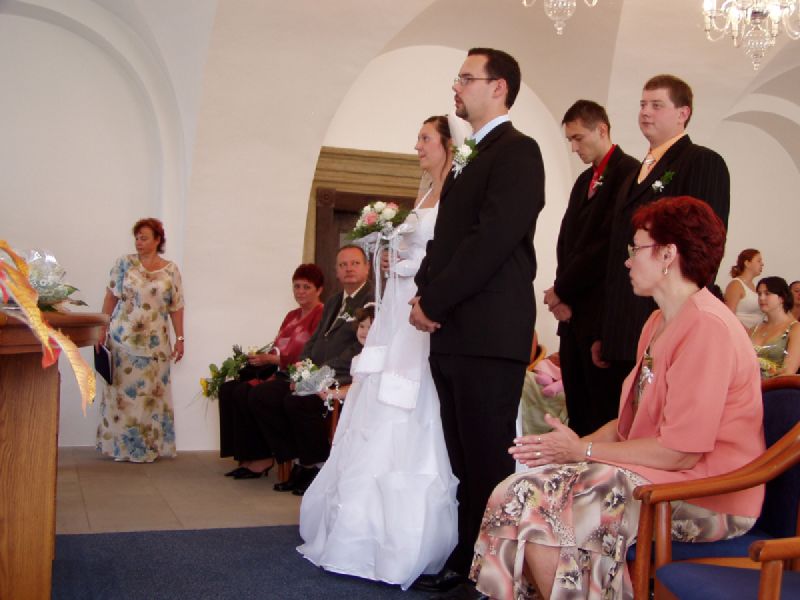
[332, 321]
[485, 143]
[667, 161]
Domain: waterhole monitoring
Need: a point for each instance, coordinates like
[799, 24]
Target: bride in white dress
[384, 505]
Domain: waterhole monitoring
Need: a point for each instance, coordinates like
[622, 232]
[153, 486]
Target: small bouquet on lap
[235, 366]
[309, 379]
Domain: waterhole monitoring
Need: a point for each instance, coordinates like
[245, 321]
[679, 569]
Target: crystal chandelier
[559, 11]
[754, 24]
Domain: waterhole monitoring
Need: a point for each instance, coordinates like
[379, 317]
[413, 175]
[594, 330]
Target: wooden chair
[779, 513]
[700, 581]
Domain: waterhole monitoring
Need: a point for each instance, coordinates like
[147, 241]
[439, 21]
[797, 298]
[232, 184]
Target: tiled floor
[96, 494]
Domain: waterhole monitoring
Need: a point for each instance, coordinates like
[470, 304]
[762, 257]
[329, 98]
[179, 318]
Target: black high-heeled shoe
[236, 471]
[248, 474]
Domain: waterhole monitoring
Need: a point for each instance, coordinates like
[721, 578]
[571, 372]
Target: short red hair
[694, 228]
[156, 226]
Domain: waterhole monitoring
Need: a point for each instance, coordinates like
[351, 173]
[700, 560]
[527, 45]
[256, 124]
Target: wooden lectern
[29, 398]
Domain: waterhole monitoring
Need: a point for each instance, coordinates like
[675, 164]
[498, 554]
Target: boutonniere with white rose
[659, 184]
[462, 155]
[598, 182]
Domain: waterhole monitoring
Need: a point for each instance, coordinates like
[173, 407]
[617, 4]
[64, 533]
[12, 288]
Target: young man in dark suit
[295, 426]
[475, 295]
[577, 296]
[674, 166]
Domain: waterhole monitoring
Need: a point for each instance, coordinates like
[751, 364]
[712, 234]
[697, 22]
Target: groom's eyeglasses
[465, 80]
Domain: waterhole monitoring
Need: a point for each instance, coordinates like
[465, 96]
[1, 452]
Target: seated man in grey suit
[295, 427]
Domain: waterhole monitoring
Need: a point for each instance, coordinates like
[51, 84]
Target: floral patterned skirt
[136, 414]
[588, 511]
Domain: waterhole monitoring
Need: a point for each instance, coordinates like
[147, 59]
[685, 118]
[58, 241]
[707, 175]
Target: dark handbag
[103, 363]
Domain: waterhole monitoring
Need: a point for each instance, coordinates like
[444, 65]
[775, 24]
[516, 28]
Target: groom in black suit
[475, 295]
[674, 166]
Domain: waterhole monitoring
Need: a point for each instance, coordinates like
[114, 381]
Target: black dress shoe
[248, 474]
[291, 483]
[443, 581]
[465, 591]
[236, 471]
[306, 477]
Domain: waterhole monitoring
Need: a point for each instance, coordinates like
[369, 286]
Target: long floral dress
[137, 421]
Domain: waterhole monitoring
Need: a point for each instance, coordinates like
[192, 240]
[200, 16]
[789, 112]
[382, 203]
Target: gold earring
[665, 271]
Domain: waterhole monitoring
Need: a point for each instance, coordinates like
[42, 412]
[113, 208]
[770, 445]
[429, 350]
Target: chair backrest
[779, 513]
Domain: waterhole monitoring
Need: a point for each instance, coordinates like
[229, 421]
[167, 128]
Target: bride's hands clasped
[561, 445]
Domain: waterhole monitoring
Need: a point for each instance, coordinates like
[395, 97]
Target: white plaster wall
[764, 205]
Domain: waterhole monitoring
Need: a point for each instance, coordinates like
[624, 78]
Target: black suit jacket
[696, 171]
[583, 243]
[477, 276]
[334, 341]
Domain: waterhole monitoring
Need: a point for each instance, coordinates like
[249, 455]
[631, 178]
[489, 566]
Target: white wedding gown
[383, 507]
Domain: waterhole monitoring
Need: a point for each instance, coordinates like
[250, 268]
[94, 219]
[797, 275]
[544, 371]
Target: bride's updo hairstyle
[442, 127]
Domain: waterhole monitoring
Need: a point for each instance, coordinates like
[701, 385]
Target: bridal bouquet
[378, 217]
[309, 379]
[229, 369]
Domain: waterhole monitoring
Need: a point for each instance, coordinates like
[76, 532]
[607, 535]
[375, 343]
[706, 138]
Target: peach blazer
[705, 397]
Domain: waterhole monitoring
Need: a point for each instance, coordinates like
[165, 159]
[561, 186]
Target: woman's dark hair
[157, 227]
[694, 228]
[779, 287]
[744, 256]
[309, 272]
[442, 127]
[365, 312]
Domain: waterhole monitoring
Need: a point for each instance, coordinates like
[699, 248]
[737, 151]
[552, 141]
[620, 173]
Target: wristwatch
[180, 338]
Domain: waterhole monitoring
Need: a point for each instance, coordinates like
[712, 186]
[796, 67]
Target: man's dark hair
[501, 65]
[590, 114]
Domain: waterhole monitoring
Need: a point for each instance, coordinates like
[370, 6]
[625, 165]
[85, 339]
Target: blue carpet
[219, 564]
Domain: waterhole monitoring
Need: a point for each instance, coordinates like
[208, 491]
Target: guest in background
[777, 339]
[673, 166]
[235, 438]
[145, 294]
[691, 408]
[795, 288]
[740, 295]
[577, 296]
[294, 428]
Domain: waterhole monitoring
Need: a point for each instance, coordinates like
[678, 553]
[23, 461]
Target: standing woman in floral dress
[144, 294]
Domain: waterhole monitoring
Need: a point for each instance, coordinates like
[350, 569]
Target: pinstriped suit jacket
[698, 172]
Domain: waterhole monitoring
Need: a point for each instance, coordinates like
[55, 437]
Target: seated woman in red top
[690, 408]
[295, 331]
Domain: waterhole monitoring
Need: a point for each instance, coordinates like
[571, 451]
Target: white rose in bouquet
[379, 206]
[388, 213]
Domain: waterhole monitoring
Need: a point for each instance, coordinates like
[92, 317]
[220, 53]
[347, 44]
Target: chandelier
[559, 11]
[753, 24]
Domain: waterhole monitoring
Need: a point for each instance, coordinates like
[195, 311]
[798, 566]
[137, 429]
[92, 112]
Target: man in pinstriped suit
[674, 166]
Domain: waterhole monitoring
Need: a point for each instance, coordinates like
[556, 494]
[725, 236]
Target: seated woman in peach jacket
[690, 408]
